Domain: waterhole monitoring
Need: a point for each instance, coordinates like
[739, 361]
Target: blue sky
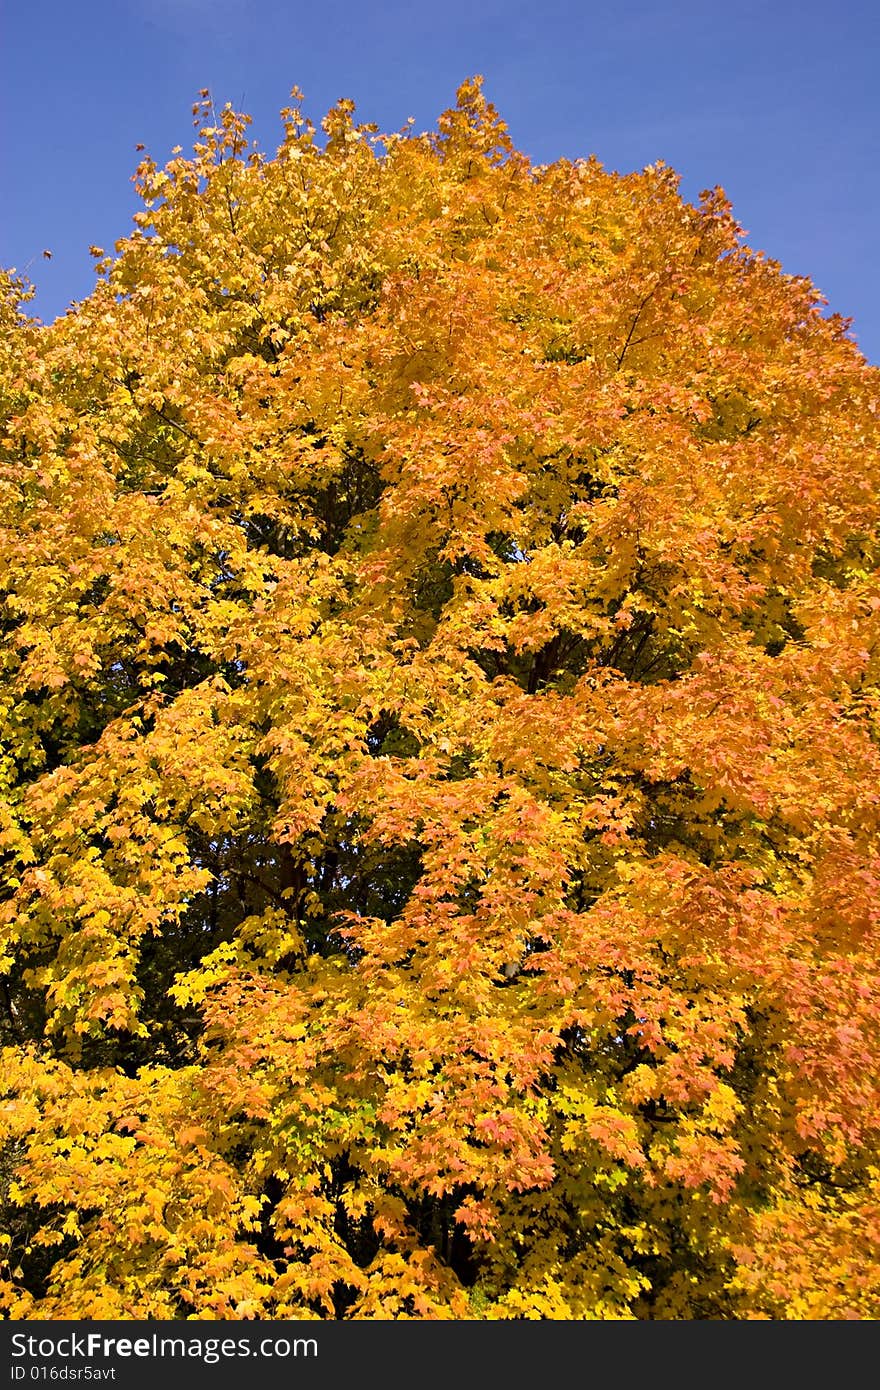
[776, 101]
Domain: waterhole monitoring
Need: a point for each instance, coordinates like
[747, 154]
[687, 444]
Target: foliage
[439, 767]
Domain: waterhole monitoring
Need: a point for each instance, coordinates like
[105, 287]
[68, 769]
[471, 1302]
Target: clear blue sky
[773, 99]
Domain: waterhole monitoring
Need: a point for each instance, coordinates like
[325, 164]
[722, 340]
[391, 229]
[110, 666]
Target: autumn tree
[439, 770]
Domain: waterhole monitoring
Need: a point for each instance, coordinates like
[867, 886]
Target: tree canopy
[439, 752]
